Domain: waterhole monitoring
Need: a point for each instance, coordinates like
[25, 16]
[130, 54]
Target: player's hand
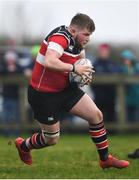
[83, 70]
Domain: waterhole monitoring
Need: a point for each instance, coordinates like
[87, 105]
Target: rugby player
[50, 91]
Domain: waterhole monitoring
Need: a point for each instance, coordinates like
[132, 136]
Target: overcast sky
[116, 20]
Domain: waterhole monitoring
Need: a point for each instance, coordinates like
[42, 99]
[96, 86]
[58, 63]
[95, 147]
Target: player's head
[82, 21]
[81, 27]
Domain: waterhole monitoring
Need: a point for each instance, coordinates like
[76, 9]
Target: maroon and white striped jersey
[45, 80]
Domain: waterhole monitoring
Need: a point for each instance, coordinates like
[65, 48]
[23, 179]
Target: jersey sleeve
[58, 43]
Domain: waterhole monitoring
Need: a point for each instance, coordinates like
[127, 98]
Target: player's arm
[55, 49]
[54, 63]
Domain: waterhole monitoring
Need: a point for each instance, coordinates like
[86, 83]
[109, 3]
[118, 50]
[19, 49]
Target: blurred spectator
[10, 92]
[105, 95]
[130, 66]
[27, 59]
[1, 104]
[33, 52]
[1, 87]
[25, 62]
[1, 61]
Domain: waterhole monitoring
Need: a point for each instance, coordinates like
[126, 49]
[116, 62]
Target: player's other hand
[87, 78]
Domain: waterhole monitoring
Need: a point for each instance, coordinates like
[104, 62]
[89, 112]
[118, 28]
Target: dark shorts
[47, 107]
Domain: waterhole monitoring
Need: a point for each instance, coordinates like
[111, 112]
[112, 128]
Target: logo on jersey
[71, 47]
[50, 118]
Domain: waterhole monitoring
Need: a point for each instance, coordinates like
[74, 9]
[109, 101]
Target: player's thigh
[87, 109]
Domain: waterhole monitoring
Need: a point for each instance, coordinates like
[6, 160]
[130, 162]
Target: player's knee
[97, 116]
[51, 138]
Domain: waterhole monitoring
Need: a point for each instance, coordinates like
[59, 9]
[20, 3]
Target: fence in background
[119, 80]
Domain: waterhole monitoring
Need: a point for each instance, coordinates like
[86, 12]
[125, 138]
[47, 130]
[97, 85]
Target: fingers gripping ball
[81, 80]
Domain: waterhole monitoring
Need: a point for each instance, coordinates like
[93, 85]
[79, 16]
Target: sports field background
[73, 157]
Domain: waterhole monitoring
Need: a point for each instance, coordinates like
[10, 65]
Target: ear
[73, 31]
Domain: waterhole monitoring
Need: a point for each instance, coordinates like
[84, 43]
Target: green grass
[74, 157]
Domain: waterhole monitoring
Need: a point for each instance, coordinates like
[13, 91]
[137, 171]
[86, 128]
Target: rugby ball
[73, 77]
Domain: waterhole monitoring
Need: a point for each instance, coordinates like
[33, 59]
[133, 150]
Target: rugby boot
[113, 162]
[25, 156]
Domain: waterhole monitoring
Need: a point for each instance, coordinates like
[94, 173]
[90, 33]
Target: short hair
[83, 21]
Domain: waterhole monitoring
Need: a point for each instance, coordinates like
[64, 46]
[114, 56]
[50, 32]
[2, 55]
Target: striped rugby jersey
[60, 40]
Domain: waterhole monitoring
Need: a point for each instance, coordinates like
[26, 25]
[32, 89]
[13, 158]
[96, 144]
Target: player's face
[82, 37]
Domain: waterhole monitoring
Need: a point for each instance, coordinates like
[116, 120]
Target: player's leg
[48, 136]
[51, 132]
[86, 109]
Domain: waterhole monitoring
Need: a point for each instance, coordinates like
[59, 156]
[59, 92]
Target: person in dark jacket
[130, 66]
[104, 95]
[11, 112]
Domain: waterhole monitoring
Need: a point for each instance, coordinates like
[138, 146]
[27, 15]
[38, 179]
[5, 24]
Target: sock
[99, 137]
[37, 141]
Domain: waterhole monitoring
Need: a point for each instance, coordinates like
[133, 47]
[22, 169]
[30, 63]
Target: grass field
[74, 157]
